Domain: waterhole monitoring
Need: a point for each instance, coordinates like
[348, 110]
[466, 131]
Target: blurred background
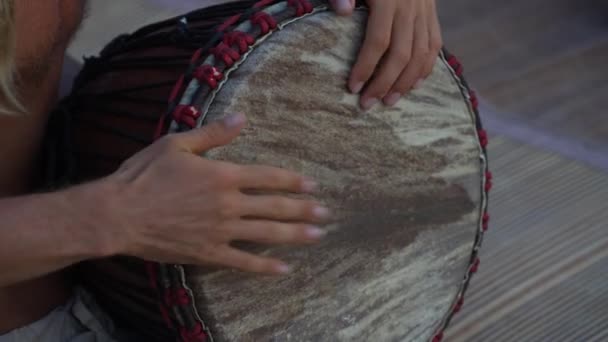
[541, 69]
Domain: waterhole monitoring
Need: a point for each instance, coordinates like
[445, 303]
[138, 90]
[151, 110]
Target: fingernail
[342, 6]
[315, 232]
[356, 88]
[321, 213]
[418, 84]
[369, 103]
[234, 120]
[392, 99]
[283, 268]
[309, 186]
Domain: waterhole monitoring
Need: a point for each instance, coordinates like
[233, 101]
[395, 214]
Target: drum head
[404, 185]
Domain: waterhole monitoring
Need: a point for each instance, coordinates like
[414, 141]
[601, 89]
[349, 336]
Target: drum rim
[170, 280]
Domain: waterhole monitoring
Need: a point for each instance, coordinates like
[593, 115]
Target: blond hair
[9, 102]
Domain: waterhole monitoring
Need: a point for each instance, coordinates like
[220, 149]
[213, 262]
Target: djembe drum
[408, 184]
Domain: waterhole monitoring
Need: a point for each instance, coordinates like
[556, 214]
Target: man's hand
[171, 205]
[399, 51]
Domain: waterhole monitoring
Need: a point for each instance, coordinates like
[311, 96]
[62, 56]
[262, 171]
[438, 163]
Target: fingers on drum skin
[232, 257]
[397, 59]
[281, 208]
[376, 43]
[385, 78]
[272, 232]
[271, 178]
[412, 76]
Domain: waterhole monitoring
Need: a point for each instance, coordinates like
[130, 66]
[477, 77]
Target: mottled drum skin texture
[403, 184]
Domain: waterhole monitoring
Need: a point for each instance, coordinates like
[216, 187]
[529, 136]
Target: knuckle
[402, 84]
[211, 133]
[197, 256]
[378, 88]
[284, 232]
[402, 55]
[380, 42]
[226, 206]
[203, 258]
[422, 52]
[227, 177]
[281, 206]
[259, 265]
[275, 174]
[224, 176]
[288, 179]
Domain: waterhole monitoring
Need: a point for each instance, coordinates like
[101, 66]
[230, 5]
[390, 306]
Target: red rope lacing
[196, 334]
[196, 56]
[473, 99]
[459, 304]
[263, 3]
[208, 74]
[483, 140]
[455, 64]
[302, 6]
[475, 266]
[489, 184]
[483, 137]
[264, 21]
[186, 115]
[225, 53]
[240, 39]
[177, 297]
[229, 22]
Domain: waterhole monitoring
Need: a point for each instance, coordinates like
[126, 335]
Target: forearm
[43, 233]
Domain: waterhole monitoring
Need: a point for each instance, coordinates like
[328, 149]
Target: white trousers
[78, 320]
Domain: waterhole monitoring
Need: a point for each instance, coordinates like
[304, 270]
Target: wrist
[91, 210]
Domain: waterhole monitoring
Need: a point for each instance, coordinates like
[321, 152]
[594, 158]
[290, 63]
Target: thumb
[343, 7]
[217, 133]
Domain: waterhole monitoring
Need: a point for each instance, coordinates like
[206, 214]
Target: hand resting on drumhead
[170, 205]
[401, 45]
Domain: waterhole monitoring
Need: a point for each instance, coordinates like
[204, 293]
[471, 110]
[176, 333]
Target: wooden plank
[545, 258]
